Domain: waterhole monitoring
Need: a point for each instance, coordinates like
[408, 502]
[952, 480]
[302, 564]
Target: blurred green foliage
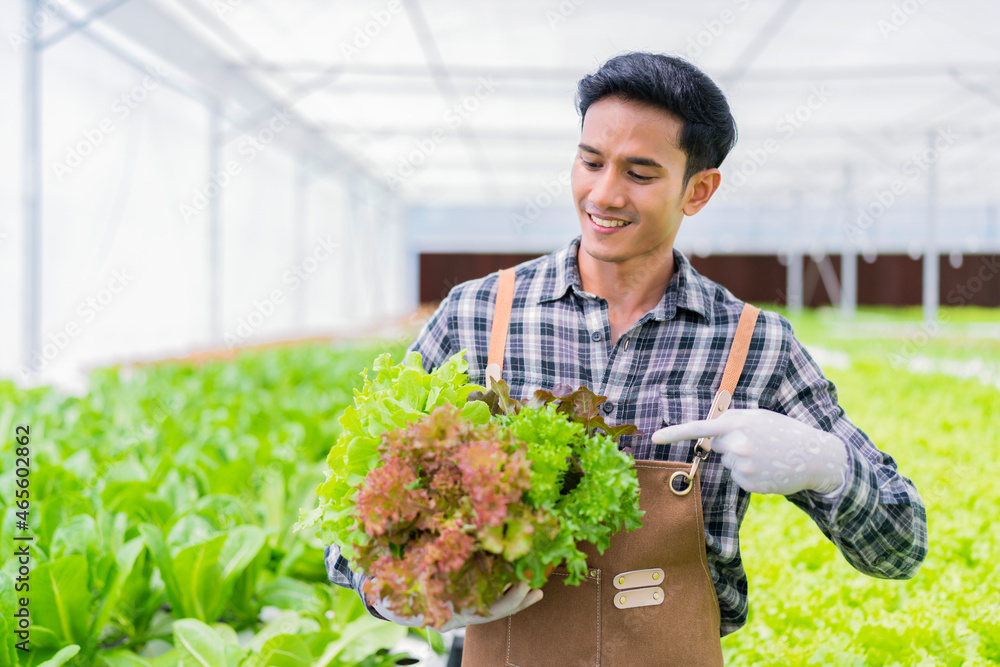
[161, 506]
[807, 605]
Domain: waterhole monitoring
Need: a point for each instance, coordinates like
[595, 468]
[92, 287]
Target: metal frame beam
[299, 223]
[563, 74]
[216, 144]
[745, 60]
[849, 253]
[931, 278]
[32, 196]
[794, 270]
[75, 25]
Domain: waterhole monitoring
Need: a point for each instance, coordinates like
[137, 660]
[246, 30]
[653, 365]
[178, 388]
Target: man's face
[628, 168]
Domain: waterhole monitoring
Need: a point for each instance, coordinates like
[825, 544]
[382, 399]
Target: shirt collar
[687, 288]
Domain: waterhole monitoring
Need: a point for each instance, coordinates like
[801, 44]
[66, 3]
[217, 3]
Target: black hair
[676, 86]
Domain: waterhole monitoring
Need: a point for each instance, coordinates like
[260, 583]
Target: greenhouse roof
[825, 94]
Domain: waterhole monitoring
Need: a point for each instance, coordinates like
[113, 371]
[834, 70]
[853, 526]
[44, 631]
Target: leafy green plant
[446, 494]
[444, 516]
[578, 476]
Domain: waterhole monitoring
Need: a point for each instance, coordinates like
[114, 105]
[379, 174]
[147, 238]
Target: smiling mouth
[600, 222]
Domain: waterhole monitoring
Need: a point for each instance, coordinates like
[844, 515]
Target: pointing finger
[698, 429]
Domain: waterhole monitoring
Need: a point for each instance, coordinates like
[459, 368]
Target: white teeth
[609, 223]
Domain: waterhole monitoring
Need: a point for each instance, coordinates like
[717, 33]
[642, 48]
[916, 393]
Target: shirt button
[596, 336]
[608, 407]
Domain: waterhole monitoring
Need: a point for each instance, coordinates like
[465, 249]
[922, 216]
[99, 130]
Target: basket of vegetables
[445, 494]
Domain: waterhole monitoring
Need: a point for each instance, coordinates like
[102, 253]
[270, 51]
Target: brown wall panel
[439, 272]
[975, 283]
[753, 278]
[890, 280]
[762, 278]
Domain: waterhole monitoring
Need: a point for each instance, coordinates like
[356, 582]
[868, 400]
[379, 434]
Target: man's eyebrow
[644, 161]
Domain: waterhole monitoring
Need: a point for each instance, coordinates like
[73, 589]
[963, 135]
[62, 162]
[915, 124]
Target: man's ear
[700, 189]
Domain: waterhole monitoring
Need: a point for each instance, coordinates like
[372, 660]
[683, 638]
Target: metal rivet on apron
[593, 573]
[656, 596]
[622, 599]
[656, 575]
[621, 580]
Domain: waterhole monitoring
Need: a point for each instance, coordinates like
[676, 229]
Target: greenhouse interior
[218, 216]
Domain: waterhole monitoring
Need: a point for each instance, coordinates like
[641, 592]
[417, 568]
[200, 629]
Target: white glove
[518, 597]
[769, 452]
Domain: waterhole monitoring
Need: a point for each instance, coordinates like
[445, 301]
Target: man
[621, 311]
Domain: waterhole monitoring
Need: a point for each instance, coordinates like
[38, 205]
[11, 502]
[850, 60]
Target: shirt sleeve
[877, 518]
[339, 571]
[435, 342]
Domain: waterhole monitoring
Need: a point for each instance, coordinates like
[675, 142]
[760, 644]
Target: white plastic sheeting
[434, 125]
[127, 192]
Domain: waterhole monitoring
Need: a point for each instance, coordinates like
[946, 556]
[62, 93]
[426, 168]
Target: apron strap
[501, 322]
[730, 376]
[739, 348]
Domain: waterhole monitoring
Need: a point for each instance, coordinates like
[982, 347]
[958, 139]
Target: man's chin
[603, 252]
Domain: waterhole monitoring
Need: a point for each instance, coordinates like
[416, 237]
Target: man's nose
[606, 193]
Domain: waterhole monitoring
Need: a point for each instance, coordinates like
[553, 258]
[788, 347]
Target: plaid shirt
[665, 370]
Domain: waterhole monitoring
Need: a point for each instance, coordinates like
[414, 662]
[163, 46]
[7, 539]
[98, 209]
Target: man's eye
[641, 178]
[592, 165]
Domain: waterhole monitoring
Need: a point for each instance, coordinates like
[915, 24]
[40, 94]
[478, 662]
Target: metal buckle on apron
[703, 447]
[492, 375]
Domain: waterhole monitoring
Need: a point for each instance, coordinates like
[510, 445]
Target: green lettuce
[391, 398]
[578, 475]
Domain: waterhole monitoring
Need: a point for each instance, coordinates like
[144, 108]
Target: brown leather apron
[649, 598]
